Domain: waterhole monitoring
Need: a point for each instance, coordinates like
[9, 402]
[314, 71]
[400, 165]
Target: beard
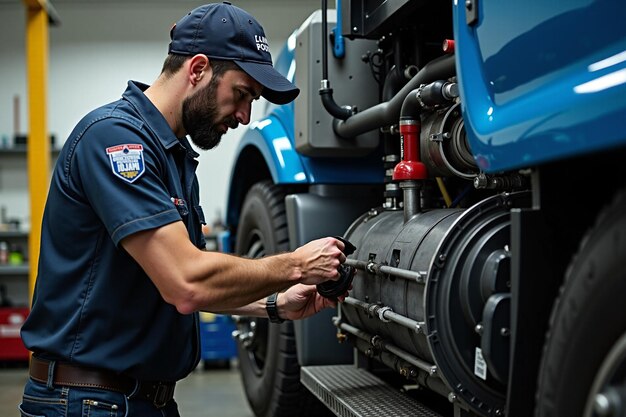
[200, 114]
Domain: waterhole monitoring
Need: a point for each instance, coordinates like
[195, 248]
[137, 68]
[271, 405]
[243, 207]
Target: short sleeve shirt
[121, 171]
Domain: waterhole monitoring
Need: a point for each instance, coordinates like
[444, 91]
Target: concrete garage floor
[214, 392]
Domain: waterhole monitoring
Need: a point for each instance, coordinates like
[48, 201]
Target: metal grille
[352, 392]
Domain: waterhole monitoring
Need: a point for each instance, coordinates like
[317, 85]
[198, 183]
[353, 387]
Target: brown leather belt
[65, 374]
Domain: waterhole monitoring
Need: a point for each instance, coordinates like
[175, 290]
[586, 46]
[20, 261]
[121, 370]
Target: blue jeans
[41, 400]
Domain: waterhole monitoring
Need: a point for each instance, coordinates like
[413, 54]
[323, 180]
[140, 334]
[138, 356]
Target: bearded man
[122, 270]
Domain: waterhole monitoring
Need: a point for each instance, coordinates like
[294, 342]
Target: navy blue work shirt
[121, 171]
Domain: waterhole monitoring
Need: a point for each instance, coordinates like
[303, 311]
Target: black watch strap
[272, 309]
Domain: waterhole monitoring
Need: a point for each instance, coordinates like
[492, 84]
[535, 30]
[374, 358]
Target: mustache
[231, 122]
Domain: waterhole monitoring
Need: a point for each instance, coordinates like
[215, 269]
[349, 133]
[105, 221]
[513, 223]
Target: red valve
[410, 168]
[448, 46]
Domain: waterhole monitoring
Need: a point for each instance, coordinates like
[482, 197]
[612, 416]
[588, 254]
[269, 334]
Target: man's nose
[243, 113]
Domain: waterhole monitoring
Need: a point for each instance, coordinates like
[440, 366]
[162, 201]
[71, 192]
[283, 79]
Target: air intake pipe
[388, 113]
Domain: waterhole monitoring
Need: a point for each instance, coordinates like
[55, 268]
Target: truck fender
[264, 152]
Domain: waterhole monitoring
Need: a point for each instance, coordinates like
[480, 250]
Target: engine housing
[430, 297]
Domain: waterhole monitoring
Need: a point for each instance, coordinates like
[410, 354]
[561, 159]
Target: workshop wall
[98, 47]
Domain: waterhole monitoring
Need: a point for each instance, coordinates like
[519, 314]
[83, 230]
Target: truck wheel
[267, 352]
[584, 356]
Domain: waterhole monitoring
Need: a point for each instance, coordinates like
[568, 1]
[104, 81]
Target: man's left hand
[302, 301]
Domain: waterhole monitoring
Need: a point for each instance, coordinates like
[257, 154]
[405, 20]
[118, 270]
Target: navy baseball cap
[226, 32]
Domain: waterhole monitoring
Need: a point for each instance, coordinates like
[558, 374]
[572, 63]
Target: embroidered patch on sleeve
[127, 161]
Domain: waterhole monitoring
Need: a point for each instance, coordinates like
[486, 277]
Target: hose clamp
[381, 314]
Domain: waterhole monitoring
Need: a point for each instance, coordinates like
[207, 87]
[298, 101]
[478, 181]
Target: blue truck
[474, 152]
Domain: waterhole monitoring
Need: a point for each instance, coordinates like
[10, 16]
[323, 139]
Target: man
[122, 275]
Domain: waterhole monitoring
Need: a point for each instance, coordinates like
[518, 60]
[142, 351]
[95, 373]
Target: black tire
[267, 357]
[587, 321]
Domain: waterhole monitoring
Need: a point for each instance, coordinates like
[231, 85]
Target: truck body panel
[483, 184]
[542, 80]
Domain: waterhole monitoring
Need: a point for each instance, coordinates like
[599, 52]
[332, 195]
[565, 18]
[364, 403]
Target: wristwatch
[272, 310]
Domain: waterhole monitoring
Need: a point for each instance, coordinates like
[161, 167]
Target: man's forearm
[239, 286]
[254, 309]
[192, 280]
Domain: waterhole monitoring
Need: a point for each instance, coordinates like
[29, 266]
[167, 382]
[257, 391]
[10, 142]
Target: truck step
[352, 392]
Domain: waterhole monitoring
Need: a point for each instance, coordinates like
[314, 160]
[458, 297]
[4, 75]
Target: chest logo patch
[127, 161]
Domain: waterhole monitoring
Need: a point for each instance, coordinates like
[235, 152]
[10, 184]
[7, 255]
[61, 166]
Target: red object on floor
[11, 346]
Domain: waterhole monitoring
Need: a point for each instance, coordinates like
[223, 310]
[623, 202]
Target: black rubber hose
[326, 92]
[388, 113]
[393, 83]
[324, 45]
[411, 107]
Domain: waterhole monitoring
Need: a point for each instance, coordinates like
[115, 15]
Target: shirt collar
[153, 117]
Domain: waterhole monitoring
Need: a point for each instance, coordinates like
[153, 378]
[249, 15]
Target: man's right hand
[319, 260]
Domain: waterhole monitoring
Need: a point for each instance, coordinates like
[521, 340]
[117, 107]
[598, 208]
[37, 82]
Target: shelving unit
[14, 199]
[23, 186]
[14, 276]
[13, 270]
[20, 150]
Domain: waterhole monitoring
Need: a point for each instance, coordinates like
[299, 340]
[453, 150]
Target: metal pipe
[421, 364]
[386, 314]
[388, 113]
[379, 269]
[411, 194]
[419, 277]
[382, 344]
[352, 330]
[362, 265]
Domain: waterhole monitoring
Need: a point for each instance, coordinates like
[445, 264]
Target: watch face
[272, 311]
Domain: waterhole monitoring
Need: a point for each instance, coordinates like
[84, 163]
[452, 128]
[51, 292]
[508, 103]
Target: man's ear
[199, 67]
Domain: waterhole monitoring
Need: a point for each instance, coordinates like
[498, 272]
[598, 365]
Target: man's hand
[302, 301]
[319, 260]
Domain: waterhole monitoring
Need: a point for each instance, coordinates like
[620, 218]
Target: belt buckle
[163, 395]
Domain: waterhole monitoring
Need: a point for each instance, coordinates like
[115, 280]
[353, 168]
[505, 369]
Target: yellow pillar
[38, 144]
